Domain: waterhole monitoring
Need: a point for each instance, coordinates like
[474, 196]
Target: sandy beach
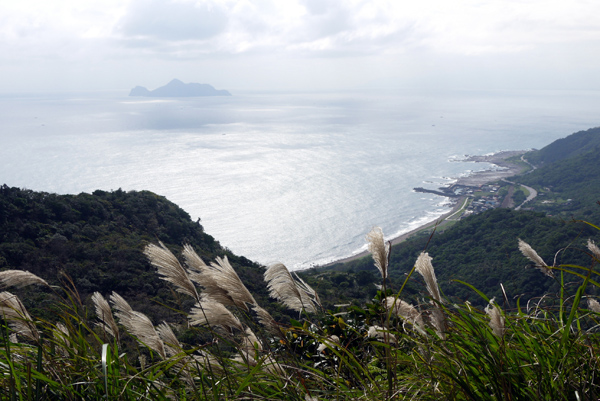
[507, 169]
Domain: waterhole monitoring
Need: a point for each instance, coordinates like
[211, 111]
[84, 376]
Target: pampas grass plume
[283, 287]
[209, 312]
[19, 279]
[496, 318]
[424, 267]
[593, 248]
[13, 311]
[593, 305]
[105, 315]
[138, 325]
[219, 280]
[267, 321]
[532, 255]
[407, 312]
[170, 269]
[379, 250]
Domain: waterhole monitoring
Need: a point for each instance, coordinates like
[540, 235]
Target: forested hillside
[569, 186]
[97, 240]
[569, 147]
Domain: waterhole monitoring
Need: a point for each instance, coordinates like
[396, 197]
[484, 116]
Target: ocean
[298, 178]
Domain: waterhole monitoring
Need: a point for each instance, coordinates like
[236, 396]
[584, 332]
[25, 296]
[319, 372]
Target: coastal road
[532, 195]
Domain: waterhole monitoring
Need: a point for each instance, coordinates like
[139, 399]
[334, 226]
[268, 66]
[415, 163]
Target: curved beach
[476, 179]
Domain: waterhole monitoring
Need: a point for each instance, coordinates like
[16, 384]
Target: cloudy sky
[299, 44]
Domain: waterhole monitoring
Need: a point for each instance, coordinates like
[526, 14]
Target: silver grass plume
[407, 312]
[267, 321]
[19, 279]
[424, 267]
[379, 249]
[329, 342]
[120, 304]
[593, 305]
[209, 312]
[228, 279]
[593, 248]
[170, 269]
[380, 333]
[61, 337]
[173, 348]
[199, 272]
[192, 259]
[107, 321]
[496, 318]
[170, 341]
[249, 346]
[308, 290]
[138, 325]
[13, 312]
[532, 255]
[219, 280]
[250, 342]
[284, 288]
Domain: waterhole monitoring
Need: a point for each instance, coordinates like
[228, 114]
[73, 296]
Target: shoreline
[475, 179]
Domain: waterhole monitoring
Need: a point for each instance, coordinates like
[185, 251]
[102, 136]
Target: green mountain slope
[565, 148]
[97, 240]
[481, 250]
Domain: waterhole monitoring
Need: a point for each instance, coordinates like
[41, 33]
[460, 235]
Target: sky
[300, 45]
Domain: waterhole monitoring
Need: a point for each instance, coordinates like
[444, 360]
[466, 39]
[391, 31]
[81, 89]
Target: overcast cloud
[299, 44]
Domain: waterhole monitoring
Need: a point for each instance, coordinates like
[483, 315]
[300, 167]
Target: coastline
[476, 179]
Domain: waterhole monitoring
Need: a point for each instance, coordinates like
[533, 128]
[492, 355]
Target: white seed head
[379, 250]
[209, 312]
[107, 321]
[425, 269]
[496, 318]
[593, 305]
[407, 312]
[14, 313]
[532, 255]
[593, 248]
[285, 289]
[19, 279]
[170, 269]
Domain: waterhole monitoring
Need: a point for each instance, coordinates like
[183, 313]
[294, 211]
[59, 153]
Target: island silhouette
[176, 88]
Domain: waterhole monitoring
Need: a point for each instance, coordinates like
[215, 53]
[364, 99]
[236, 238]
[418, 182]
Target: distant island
[176, 88]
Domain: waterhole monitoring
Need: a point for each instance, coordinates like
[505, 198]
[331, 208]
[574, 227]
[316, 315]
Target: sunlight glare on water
[296, 178]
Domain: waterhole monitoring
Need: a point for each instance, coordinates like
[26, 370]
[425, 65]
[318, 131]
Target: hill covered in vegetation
[97, 241]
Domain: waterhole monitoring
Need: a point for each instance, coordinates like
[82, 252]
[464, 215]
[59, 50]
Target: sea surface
[298, 178]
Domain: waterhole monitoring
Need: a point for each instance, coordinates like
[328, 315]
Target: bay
[293, 177]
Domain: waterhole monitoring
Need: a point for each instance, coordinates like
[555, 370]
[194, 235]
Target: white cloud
[392, 38]
[172, 20]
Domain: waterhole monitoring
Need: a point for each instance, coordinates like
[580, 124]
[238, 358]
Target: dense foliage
[481, 250]
[570, 147]
[97, 240]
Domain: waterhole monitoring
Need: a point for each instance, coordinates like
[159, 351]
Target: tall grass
[389, 349]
